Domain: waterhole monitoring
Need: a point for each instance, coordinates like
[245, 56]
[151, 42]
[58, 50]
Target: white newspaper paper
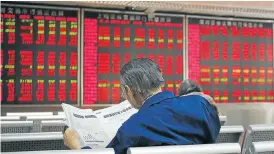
[97, 128]
[113, 117]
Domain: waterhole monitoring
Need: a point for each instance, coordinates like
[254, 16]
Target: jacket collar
[157, 98]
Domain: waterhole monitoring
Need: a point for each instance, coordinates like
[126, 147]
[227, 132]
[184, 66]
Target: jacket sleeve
[122, 141]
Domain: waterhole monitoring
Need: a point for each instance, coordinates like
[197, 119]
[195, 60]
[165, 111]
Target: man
[162, 119]
[190, 87]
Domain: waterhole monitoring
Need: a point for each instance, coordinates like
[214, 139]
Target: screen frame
[228, 19]
[126, 12]
[78, 53]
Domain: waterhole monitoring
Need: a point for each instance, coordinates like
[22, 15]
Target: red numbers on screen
[205, 75]
[73, 64]
[73, 90]
[179, 34]
[236, 96]
[51, 63]
[51, 91]
[246, 51]
[63, 31]
[246, 75]
[161, 36]
[90, 60]
[205, 50]
[104, 36]
[270, 76]
[225, 51]
[170, 41]
[40, 63]
[169, 65]
[151, 38]
[216, 75]
[26, 63]
[270, 52]
[62, 91]
[103, 91]
[62, 64]
[179, 65]
[52, 30]
[117, 37]
[236, 46]
[40, 29]
[253, 52]
[26, 29]
[26, 90]
[11, 63]
[254, 76]
[104, 63]
[116, 91]
[139, 38]
[116, 63]
[127, 37]
[40, 91]
[73, 31]
[216, 50]
[161, 62]
[11, 93]
[261, 79]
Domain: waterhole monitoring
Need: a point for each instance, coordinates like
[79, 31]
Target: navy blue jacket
[165, 119]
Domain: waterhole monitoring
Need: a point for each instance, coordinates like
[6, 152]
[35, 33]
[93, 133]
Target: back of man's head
[189, 86]
[142, 75]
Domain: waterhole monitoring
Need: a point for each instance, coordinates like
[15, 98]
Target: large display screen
[232, 59]
[112, 39]
[38, 55]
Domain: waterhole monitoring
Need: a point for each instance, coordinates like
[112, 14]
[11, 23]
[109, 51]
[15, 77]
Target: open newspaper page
[87, 125]
[113, 117]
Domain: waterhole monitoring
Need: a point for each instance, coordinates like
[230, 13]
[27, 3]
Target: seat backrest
[230, 134]
[84, 151]
[224, 148]
[53, 125]
[52, 117]
[10, 118]
[223, 120]
[16, 127]
[32, 142]
[29, 113]
[257, 133]
[264, 147]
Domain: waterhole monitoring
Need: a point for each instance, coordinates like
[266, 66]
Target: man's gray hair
[189, 86]
[141, 75]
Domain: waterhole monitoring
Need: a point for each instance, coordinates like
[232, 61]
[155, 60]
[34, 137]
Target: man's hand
[71, 139]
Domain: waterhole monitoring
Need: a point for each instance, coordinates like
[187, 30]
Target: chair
[84, 151]
[223, 119]
[10, 118]
[51, 117]
[32, 142]
[29, 113]
[16, 127]
[223, 148]
[264, 147]
[257, 133]
[53, 125]
[230, 134]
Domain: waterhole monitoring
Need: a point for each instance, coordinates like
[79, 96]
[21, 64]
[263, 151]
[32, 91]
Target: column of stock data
[116, 38]
[233, 60]
[39, 51]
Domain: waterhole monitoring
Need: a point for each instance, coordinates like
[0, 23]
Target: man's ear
[128, 91]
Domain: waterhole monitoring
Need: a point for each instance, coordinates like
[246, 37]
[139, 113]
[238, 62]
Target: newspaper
[97, 128]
